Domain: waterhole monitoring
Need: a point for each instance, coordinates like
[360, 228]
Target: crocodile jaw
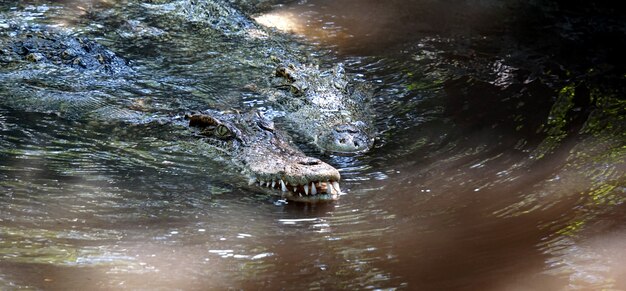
[294, 177]
[312, 192]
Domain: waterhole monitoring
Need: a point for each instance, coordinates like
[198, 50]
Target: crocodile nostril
[342, 140]
[309, 162]
[356, 144]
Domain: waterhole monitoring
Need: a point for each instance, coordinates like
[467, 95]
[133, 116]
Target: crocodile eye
[266, 124]
[298, 87]
[283, 72]
[294, 89]
[222, 131]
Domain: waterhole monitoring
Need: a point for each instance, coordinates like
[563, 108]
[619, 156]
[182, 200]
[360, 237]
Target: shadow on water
[499, 162]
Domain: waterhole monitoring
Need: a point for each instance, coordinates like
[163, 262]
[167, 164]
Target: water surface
[499, 165]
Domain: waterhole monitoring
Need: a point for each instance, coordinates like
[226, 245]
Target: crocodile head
[266, 157]
[326, 106]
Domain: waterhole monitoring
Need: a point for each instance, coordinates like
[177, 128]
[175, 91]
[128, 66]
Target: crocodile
[326, 106]
[265, 156]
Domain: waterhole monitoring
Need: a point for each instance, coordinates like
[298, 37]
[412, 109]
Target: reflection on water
[375, 27]
[499, 165]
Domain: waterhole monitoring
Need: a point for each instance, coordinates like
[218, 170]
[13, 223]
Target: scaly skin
[266, 157]
[39, 46]
[325, 106]
[47, 69]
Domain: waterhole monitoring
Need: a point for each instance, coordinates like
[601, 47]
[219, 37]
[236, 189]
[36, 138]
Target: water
[499, 165]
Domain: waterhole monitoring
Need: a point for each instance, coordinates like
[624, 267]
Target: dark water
[500, 163]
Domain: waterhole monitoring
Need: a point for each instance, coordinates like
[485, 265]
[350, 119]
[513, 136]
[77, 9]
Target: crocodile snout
[346, 138]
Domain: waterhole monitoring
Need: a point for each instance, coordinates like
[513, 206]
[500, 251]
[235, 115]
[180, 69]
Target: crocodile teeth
[306, 189]
[283, 186]
[273, 183]
[251, 181]
[295, 188]
[329, 188]
[336, 186]
[313, 190]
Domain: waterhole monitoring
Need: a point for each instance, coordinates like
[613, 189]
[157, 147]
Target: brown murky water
[500, 166]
